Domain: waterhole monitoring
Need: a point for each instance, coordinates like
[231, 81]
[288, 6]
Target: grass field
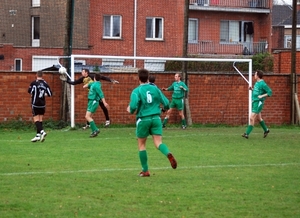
[219, 174]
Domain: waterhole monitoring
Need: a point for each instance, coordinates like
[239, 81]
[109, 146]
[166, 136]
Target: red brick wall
[214, 98]
[282, 61]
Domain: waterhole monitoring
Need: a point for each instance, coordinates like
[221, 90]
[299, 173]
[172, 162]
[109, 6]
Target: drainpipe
[293, 62]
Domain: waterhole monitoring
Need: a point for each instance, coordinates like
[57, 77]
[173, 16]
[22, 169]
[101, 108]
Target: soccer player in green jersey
[259, 93]
[179, 88]
[94, 96]
[145, 101]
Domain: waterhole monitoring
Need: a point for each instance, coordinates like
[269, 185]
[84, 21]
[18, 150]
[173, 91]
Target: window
[154, 28]
[18, 64]
[35, 31]
[288, 41]
[36, 3]
[235, 31]
[193, 31]
[112, 26]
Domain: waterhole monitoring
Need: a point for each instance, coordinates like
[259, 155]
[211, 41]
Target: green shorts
[150, 125]
[92, 106]
[177, 103]
[257, 106]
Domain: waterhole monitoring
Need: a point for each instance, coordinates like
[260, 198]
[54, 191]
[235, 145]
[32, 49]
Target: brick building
[33, 31]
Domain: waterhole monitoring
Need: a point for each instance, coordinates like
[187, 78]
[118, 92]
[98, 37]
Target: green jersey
[146, 100]
[260, 88]
[95, 91]
[177, 91]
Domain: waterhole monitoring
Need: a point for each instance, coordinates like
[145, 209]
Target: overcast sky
[282, 2]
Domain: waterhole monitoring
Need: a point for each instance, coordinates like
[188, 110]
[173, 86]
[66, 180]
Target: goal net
[194, 67]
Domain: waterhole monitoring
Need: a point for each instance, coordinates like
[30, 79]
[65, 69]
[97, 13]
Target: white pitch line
[154, 168]
[201, 134]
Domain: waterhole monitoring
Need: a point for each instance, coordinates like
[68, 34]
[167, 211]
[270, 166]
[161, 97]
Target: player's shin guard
[93, 126]
[263, 125]
[249, 129]
[38, 126]
[163, 149]
[144, 160]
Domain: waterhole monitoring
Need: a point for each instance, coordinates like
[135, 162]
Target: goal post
[136, 62]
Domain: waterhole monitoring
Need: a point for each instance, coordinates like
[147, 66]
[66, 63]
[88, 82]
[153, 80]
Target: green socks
[163, 149]
[249, 129]
[144, 160]
[93, 126]
[183, 122]
[263, 125]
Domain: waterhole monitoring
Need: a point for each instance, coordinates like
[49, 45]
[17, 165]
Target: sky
[282, 2]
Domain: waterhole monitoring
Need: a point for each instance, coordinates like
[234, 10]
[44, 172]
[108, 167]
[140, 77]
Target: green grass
[219, 174]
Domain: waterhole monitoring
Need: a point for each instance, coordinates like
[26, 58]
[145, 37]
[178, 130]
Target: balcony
[243, 6]
[217, 48]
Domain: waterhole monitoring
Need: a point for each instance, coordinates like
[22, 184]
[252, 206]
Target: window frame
[20, 65]
[234, 36]
[35, 3]
[196, 32]
[35, 39]
[111, 27]
[156, 36]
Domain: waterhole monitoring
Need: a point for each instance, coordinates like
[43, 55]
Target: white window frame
[151, 30]
[35, 39]
[36, 3]
[40, 62]
[288, 41]
[193, 30]
[233, 32]
[109, 26]
[15, 64]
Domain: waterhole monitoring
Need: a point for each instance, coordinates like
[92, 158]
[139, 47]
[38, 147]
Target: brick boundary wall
[213, 98]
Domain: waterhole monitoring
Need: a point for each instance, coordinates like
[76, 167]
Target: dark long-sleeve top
[90, 77]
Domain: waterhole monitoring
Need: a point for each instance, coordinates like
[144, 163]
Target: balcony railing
[214, 47]
[232, 3]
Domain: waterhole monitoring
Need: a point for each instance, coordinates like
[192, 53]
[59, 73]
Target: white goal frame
[249, 81]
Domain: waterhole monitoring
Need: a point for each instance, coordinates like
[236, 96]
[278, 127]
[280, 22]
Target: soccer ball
[62, 70]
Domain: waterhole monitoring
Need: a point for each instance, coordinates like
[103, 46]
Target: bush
[262, 61]
[19, 124]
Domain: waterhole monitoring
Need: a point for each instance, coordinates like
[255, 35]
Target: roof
[280, 13]
[289, 20]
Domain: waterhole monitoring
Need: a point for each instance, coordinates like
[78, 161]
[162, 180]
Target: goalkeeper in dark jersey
[179, 88]
[259, 93]
[145, 101]
[85, 79]
[38, 90]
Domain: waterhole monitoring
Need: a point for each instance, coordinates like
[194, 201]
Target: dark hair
[151, 78]
[143, 75]
[86, 70]
[97, 76]
[260, 74]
